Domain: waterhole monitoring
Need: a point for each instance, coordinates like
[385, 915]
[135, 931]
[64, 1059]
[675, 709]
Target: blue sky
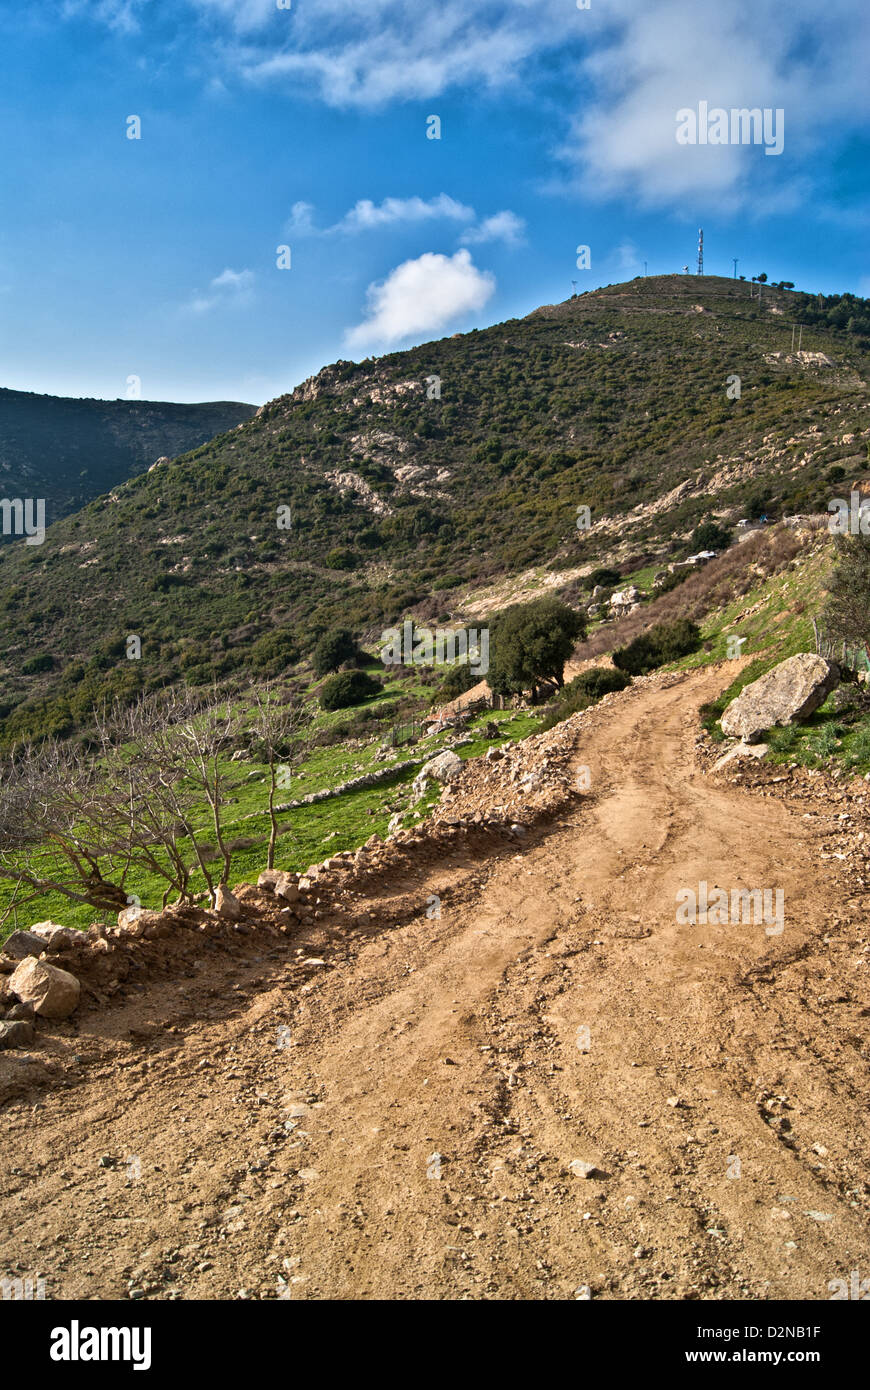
[306, 126]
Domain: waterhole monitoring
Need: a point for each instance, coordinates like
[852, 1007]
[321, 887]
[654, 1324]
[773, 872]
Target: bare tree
[276, 729]
[178, 768]
[155, 787]
[59, 832]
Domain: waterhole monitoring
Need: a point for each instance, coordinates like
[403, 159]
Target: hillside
[70, 451]
[403, 505]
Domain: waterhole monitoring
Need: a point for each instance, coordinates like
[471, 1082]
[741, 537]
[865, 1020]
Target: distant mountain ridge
[70, 451]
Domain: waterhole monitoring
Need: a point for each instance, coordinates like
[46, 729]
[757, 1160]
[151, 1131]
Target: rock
[268, 879]
[54, 993]
[582, 1169]
[135, 920]
[21, 944]
[287, 888]
[16, 1034]
[61, 939]
[494, 755]
[625, 598]
[226, 904]
[741, 750]
[46, 929]
[444, 768]
[788, 693]
[20, 1012]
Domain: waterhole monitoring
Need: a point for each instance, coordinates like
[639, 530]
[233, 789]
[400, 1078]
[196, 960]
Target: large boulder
[443, 768]
[788, 693]
[54, 993]
[20, 944]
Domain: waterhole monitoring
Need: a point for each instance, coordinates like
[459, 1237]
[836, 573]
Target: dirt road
[405, 1126]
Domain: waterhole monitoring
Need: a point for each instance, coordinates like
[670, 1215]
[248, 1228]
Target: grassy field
[307, 833]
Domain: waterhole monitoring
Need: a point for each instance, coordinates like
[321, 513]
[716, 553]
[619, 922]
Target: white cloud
[626, 69]
[230, 287]
[420, 297]
[368, 54]
[365, 214]
[665, 58]
[502, 226]
[300, 222]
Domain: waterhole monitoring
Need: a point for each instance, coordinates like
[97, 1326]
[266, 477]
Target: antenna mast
[700, 250]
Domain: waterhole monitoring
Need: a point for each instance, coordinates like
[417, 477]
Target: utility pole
[700, 250]
[800, 337]
[644, 267]
[735, 259]
[792, 337]
[573, 289]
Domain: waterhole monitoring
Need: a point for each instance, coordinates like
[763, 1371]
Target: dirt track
[287, 1141]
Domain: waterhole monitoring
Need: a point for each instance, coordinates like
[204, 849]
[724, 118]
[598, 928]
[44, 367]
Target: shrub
[663, 643]
[585, 690]
[334, 647]
[711, 536]
[347, 688]
[459, 678]
[272, 653]
[341, 559]
[43, 662]
[603, 576]
[598, 681]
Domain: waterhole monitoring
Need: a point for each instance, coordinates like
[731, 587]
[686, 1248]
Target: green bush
[711, 536]
[459, 678]
[43, 662]
[341, 559]
[347, 688]
[598, 681]
[272, 653]
[334, 648]
[603, 576]
[663, 643]
[585, 690]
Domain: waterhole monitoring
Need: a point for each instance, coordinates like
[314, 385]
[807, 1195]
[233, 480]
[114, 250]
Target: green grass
[308, 833]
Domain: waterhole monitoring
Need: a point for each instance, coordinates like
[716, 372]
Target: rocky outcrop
[787, 694]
